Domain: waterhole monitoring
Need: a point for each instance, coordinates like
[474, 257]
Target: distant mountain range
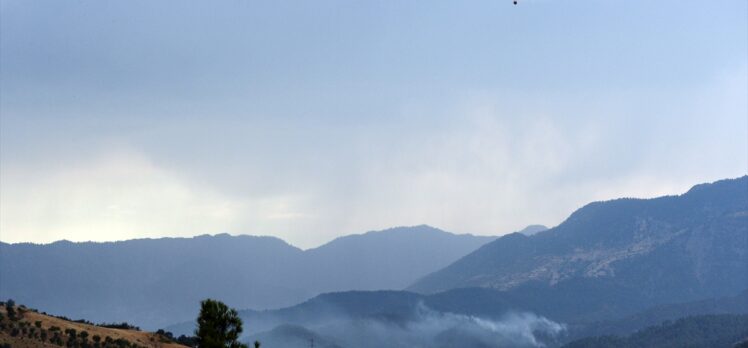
[155, 282]
[611, 268]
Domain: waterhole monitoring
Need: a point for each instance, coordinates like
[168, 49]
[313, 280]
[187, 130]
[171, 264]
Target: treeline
[707, 331]
[190, 341]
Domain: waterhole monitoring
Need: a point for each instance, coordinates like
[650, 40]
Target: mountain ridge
[130, 280]
[603, 238]
[410, 228]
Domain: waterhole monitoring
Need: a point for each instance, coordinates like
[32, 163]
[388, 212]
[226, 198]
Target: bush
[189, 341]
[57, 339]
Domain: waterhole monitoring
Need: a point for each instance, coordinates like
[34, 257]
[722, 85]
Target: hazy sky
[312, 119]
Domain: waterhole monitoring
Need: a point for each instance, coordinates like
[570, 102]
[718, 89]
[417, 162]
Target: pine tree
[218, 326]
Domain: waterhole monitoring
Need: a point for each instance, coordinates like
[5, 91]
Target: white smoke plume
[519, 328]
[430, 328]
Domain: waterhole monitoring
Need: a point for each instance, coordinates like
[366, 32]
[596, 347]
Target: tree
[10, 309]
[218, 326]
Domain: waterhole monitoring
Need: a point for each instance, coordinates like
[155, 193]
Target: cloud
[117, 196]
[122, 194]
[264, 126]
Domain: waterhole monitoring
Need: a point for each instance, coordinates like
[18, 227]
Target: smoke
[518, 329]
[425, 327]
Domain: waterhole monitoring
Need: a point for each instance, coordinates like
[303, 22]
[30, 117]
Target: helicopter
[515, 2]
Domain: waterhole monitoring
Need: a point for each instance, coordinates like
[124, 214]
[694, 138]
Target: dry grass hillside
[28, 328]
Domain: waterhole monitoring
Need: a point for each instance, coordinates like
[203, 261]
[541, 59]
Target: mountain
[389, 259]
[30, 328]
[532, 229]
[707, 331]
[147, 282]
[155, 282]
[618, 257]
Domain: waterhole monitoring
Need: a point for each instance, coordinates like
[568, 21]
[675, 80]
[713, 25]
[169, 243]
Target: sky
[309, 120]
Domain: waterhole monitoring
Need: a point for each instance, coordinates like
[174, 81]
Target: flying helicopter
[515, 2]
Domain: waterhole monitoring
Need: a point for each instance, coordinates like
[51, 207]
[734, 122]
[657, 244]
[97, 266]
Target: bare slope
[33, 329]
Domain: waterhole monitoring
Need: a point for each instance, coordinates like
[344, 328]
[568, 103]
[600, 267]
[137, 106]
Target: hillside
[372, 319]
[637, 252]
[289, 336]
[707, 331]
[724, 305]
[29, 328]
[156, 282]
[335, 317]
